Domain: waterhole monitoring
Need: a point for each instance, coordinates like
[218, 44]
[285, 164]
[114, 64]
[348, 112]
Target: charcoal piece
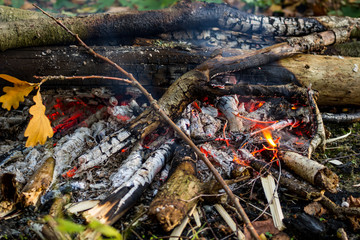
[306, 226]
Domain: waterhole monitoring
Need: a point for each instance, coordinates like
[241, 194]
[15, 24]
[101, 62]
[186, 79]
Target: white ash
[22, 163]
[14, 156]
[202, 125]
[222, 161]
[98, 186]
[99, 130]
[184, 125]
[229, 106]
[133, 91]
[130, 165]
[113, 101]
[69, 148]
[144, 175]
[101, 152]
[196, 126]
[165, 172]
[102, 92]
[211, 124]
[123, 114]
[210, 111]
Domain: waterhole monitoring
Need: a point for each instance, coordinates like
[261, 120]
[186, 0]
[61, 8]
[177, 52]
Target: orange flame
[268, 137]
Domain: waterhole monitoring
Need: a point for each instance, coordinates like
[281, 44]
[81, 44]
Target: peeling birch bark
[319, 139]
[118, 203]
[128, 167]
[311, 171]
[228, 105]
[69, 148]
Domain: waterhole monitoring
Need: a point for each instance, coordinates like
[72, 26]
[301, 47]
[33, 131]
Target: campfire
[235, 132]
[113, 152]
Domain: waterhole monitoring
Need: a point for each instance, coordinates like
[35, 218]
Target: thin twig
[182, 135]
[62, 78]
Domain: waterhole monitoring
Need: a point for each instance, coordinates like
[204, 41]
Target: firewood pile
[118, 160]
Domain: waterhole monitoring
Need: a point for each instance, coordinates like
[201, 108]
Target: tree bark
[175, 197]
[38, 32]
[336, 78]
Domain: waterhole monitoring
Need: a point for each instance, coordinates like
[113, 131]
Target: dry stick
[49, 78]
[183, 136]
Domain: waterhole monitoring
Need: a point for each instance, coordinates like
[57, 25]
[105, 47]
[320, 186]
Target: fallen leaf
[14, 80]
[39, 128]
[14, 95]
[262, 227]
[353, 202]
[315, 209]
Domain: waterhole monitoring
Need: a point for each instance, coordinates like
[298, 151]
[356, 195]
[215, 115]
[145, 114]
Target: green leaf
[351, 11]
[101, 4]
[17, 3]
[69, 226]
[1, 2]
[105, 230]
[213, 1]
[64, 3]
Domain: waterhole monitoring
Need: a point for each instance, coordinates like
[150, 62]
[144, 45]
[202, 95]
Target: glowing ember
[268, 137]
[70, 173]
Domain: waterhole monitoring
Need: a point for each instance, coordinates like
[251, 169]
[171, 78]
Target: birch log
[118, 203]
[312, 171]
[336, 78]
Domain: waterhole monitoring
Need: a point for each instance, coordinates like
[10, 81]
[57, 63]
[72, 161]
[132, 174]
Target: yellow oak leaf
[39, 128]
[14, 80]
[14, 95]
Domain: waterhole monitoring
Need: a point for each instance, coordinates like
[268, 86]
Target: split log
[271, 194]
[38, 183]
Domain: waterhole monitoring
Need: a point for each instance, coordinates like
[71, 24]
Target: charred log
[341, 117]
[21, 33]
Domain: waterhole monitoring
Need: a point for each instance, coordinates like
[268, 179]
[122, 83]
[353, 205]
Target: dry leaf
[14, 80]
[262, 227]
[14, 95]
[39, 127]
[315, 209]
